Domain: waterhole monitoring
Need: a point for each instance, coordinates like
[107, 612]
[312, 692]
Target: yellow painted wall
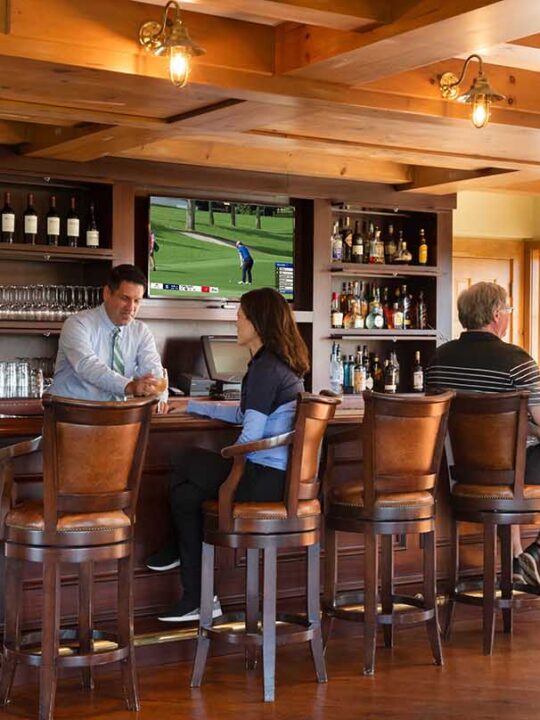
[497, 215]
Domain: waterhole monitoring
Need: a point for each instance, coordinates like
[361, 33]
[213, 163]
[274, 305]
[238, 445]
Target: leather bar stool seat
[393, 494]
[487, 455]
[266, 527]
[93, 455]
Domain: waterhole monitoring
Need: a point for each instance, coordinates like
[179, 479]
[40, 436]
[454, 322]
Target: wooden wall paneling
[123, 222]
[322, 285]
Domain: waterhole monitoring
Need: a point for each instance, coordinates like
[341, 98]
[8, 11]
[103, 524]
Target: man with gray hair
[479, 361]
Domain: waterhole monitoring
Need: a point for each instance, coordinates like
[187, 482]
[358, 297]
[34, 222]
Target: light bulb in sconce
[179, 66]
[171, 38]
[479, 96]
[480, 111]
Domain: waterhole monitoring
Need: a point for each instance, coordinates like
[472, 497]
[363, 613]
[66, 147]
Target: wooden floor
[406, 685]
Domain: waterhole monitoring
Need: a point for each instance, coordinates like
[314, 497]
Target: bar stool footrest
[231, 629]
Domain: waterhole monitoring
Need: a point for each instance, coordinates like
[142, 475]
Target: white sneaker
[179, 614]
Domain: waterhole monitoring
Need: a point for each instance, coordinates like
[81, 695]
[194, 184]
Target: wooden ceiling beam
[199, 151]
[424, 178]
[406, 43]
[342, 14]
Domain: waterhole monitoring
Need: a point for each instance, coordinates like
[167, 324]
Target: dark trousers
[201, 475]
[532, 465]
[246, 270]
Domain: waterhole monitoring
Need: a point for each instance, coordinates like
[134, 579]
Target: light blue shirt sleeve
[217, 411]
[254, 426]
[81, 355]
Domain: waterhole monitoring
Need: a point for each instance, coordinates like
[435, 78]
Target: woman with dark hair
[279, 360]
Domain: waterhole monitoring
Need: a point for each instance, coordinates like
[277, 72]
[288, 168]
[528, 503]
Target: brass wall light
[171, 38]
[480, 95]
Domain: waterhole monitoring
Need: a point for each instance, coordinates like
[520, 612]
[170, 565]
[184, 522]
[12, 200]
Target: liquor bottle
[375, 318]
[53, 223]
[412, 313]
[360, 376]
[344, 299]
[347, 235]
[92, 232]
[390, 245]
[353, 320]
[336, 370]
[390, 380]
[337, 244]
[372, 259]
[405, 308]
[403, 256]
[397, 317]
[422, 249]
[417, 374]
[347, 373]
[357, 245]
[378, 375]
[8, 220]
[421, 312]
[393, 357]
[387, 310]
[366, 237]
[336, 316]
[73, 225]
[379, 247]
[363, 302]
[30, 221]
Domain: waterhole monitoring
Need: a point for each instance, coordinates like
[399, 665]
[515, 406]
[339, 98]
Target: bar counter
[170, 436]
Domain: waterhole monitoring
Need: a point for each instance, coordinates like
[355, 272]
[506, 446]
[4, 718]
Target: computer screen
[226, 361]
[214, 250]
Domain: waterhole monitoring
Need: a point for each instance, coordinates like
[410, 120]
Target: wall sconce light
[171, 38]
[480, 95]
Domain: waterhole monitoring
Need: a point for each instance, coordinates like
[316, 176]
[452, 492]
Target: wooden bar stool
[267, 527]
[486, 455]
[93, 456]
[402, 442]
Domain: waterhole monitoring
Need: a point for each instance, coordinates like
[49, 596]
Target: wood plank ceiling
[334, 89]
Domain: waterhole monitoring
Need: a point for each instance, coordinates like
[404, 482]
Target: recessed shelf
[363, 269]
[30, 327]
[47, 253]
[388, 334]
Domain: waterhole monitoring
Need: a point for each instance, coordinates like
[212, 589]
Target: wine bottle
[30, 221]
[73, 225]
[53, 223]
[8, 220]
[92, 232]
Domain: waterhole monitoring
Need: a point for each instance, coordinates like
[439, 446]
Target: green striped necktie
[117, 359]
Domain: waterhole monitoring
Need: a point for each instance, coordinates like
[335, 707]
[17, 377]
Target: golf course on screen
[204, 261]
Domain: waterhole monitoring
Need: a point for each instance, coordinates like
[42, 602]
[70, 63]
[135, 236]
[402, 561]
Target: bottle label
[73, 227]
[53, 226]
[358, 250]
[359, 380]
[422, 254]
[418, 380]
[389, 388]
[378, 321]
[337, 318]
[8, 222]
[30, 224]
[92, 238]
[369, 383]
[358, 322]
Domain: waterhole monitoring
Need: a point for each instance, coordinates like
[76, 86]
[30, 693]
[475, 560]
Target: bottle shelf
[51, 253]
[388, 334]
[30, 327]
[383, 271]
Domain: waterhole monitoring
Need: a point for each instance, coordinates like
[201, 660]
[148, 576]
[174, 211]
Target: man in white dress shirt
[104, 353]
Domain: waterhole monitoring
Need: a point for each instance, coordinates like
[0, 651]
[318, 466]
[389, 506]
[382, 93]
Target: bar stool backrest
[403, 439]
[93, 455]
[312, 417]
[488, 438]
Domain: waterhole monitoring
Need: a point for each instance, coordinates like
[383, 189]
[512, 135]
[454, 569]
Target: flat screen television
[217, 250]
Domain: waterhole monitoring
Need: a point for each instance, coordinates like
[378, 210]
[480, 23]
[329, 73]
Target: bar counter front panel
[170, 436]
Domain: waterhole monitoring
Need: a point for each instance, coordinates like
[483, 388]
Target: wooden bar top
[24, 417]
